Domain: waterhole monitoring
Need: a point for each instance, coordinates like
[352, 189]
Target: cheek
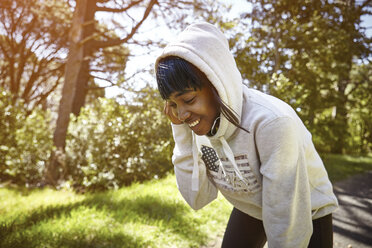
[209, 108]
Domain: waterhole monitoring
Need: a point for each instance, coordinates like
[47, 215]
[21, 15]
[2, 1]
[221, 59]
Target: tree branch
[98, 70]
[88, 23]
[136, 73]
[51, 72]
[5, 51]
[46, 94]
[101, 78]
[115, 42]
[99, 87]
[86, 39]
[366, 3]
[35, 73]
[113, 10]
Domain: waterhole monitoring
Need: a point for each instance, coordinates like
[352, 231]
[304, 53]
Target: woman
[249, 146]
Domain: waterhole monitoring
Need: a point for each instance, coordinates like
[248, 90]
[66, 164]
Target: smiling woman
[191, 97]
[251, 147]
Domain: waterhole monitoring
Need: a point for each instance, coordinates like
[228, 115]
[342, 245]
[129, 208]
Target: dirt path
[352, 221]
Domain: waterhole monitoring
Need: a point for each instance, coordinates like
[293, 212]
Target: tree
[74, 63]
[360, 108]
[32, 41]
[33, 44]
[86, 41]
[313, 44]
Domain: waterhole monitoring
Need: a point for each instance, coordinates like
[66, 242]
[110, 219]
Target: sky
[146, 61]
[139, 61]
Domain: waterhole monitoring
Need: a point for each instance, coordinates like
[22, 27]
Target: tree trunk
[81, 88]
[341, 125]
[84, 73]
[73, 66]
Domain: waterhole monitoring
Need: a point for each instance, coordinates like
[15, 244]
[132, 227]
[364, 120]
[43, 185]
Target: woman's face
[197, 108]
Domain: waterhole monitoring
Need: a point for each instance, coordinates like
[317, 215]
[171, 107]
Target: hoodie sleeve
[286, 206]
[183, 166]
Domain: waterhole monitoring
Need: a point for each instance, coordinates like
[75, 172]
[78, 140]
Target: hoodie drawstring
[195, 170]
[230, 156]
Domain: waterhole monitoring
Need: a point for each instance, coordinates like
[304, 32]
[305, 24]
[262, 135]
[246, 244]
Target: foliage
[26, 142]
[152, 214]
[304, 53]
[88, 40]
[33, 38]
[108, 145]
[360, 110]
[111, 145]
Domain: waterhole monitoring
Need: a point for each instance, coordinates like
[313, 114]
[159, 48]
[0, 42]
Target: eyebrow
[183, 92]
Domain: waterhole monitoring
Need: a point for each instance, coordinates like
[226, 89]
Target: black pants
[244, 231]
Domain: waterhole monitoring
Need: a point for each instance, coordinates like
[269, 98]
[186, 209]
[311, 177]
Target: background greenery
[110, 145]
[114, 173]
[315, 55]
[151, 214]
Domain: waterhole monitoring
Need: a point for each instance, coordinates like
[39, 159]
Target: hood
[205, 46]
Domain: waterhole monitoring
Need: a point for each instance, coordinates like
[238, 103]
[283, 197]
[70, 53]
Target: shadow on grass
[27, 240]
[147, 210]
[340, 167]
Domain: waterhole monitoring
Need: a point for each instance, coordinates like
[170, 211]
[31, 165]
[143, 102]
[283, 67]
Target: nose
[183, 114]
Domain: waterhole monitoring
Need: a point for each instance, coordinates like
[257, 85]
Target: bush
[110, 145]
[26, 142]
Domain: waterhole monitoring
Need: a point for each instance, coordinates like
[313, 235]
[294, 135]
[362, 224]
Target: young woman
[249, 146]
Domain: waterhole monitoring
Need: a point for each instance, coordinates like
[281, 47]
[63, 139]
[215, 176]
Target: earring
[212, 132]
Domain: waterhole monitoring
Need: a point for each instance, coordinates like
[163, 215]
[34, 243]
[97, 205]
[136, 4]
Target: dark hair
[174, 74]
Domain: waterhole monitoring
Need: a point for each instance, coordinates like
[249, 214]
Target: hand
[170, 114]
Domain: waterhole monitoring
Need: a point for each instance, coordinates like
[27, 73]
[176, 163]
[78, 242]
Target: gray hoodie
[273, 173]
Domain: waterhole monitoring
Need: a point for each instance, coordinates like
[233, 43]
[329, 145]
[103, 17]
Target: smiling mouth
[194, 123]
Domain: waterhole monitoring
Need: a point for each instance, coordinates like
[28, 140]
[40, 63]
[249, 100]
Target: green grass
[340, 167]
[152, 214]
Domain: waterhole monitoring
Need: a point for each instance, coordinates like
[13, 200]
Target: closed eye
[189, 100]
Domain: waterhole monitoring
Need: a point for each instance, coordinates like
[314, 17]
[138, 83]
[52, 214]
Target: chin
[197, 131]
[201, 132]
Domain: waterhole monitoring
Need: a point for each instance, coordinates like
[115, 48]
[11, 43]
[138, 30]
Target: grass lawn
[152, 214]
[340, 167]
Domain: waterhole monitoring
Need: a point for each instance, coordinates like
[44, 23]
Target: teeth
[193, 124]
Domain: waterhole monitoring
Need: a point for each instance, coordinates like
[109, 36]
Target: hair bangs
[174, 74]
